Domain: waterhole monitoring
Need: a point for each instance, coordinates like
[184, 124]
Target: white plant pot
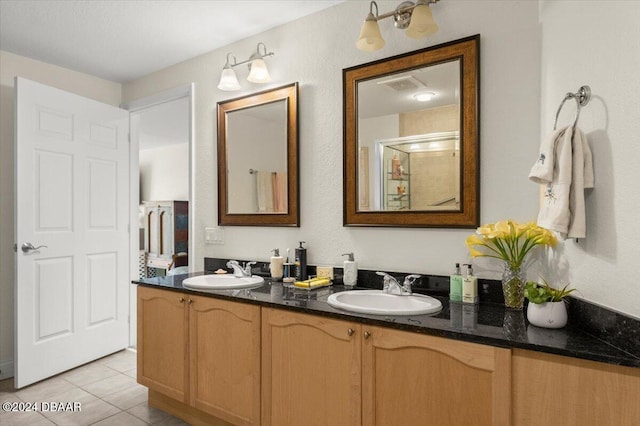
[547, 315]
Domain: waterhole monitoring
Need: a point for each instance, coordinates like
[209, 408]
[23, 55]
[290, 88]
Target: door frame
[179, 92]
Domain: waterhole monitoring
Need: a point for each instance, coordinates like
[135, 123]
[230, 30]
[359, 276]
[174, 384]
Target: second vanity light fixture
[258, 72]
[416, 18]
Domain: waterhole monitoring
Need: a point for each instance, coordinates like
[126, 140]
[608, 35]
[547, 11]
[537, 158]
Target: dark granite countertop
[485, 323]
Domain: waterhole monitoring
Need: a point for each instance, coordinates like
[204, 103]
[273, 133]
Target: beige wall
[432, 120]
[82, 84]
[524, 47]
[313, 51]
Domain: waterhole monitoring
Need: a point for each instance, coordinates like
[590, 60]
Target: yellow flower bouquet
[510, 241]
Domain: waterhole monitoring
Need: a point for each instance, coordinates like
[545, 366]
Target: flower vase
[513, 282]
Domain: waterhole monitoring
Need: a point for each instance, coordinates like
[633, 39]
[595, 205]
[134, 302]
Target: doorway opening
[161, 187]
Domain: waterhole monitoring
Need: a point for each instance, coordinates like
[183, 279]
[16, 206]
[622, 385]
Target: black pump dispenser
[301, 263]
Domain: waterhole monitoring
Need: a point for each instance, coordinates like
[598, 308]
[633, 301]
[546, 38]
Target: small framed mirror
[258, 159]
[411, 139]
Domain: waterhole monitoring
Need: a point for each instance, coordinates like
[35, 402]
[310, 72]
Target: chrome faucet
[240, 271]
[392, 286]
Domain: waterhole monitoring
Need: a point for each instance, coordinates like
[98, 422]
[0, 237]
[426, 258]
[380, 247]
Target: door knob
[27, 247]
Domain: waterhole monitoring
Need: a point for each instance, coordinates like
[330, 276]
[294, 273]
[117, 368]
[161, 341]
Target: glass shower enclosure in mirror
[420, 172]
[411, 138]
[257, 159]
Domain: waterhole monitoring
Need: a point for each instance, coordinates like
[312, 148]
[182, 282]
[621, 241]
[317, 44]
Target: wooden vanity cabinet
[557, 390]
[311, 370]
[416, 379]
[163, 339]
[321, 371]
[202, 353]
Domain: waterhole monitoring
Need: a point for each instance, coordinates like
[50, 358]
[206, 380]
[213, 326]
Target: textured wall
[600, 49]
[313, 51]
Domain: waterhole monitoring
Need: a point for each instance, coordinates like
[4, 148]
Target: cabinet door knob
[367, 334]
[351, 331]
[181, 300]
[190, 301]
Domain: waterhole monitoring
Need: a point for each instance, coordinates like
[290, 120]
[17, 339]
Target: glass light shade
[370, 38]
[422, 23]
[228, 80]
[259, 72]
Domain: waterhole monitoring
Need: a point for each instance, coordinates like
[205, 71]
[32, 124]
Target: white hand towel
[542, 170]
[555, 213]
[582, 177]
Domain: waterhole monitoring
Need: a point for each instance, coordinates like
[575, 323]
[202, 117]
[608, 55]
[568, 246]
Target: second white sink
[377, 302]
[221, 282]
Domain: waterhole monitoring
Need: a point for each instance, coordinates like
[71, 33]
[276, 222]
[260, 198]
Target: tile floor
[106, 390]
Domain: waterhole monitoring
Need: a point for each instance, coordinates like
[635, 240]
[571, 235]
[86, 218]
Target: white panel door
[72, 198]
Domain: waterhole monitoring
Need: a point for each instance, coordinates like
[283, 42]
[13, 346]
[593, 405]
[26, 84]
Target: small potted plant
[546, 304]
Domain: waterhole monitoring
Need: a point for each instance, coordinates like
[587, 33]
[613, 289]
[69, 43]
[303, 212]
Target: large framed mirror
[258, 159]
[411, 139]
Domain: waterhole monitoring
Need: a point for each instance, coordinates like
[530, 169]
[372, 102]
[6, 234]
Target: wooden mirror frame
[467, 50]
[289, 93]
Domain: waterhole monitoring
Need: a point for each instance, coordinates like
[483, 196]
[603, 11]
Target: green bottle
[455, 285]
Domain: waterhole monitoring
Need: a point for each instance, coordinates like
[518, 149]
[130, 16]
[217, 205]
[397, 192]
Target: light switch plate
[214, 235]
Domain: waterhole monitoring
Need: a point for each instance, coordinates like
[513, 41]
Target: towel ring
[582, 97]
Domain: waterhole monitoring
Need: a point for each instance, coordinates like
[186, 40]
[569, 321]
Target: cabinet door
[310, 370]
[556, 390]
[165, 230]
[225, 359]
[162, 342]
[415, 379]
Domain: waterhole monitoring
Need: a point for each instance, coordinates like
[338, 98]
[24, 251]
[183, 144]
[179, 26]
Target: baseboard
[6, 369]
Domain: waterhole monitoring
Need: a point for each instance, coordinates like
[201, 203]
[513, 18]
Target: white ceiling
[121, 40]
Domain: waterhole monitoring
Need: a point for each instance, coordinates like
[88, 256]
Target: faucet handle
[410, 279]
[247, 267]
[408, 282]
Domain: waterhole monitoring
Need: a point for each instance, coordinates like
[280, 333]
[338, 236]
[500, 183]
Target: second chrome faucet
[392, 286]
[239, 271]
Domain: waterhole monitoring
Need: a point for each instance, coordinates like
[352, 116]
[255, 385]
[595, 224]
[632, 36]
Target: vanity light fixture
[258, 72]
[416, 18]
[424, 96]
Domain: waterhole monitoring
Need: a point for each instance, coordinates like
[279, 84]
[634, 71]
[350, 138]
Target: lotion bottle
[350, 275]
[277, 265]
[301, 263]
[455, 285]
[470, 287]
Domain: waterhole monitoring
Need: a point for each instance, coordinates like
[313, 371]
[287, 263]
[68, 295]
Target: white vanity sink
[377, 302]
[221, 282]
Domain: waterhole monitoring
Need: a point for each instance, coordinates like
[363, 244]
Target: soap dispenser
[277, 265]
[350, 276]
[470, 286]
[301, 263]
[455, 285]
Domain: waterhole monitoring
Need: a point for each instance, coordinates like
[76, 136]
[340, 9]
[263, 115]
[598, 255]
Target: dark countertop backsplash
[592, 332]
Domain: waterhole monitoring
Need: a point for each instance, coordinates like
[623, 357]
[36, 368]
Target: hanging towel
[582, 178]
[280, 192]
[264, 188]
[542, 170]
[565, 167]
